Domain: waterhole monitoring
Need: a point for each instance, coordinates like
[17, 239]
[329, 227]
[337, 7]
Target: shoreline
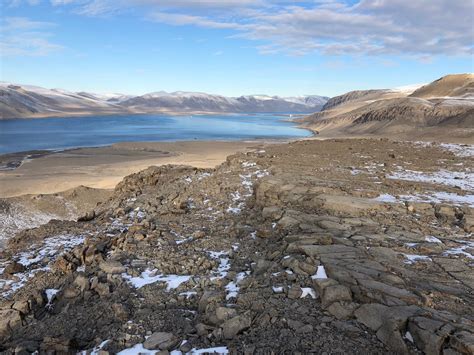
[47, 172]
[87, 114]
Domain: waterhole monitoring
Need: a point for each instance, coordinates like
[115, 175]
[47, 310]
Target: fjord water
[61, 133]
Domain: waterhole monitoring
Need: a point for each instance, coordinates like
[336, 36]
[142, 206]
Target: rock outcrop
[342, 246]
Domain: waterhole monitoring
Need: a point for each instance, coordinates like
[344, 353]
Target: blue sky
[233, 47]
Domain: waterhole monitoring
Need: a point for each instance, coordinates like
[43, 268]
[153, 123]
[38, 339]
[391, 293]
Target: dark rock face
[285, 251]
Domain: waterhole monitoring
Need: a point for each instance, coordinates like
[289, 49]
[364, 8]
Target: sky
[234, 47]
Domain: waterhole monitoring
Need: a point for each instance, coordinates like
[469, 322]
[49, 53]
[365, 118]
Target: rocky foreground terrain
[327, 247]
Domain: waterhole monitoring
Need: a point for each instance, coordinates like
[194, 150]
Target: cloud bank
[420, 28]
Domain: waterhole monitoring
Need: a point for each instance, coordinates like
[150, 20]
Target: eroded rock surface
[342, 246]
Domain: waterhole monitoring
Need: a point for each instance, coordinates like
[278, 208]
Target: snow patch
[232, 287]
[461, 250]
[386, 198]
[461, 150]
[308, 291]
[149, 276]
[277, 289]
[412, 258]
[441, 197]
[224, 265]
[463, 180]
[36, 259]
[320, 273]
[432, 239]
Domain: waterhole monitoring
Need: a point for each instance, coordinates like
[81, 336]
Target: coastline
[86, 114]
[47, 172]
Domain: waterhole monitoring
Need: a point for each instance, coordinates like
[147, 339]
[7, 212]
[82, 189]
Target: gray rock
[112, 267]
[272, 213]
[335, 250]
[335, 293]
[288, 222]
[14, 268]
[371, 315]
[207, 298]
[235, 325]
[342, 310]
[426, 334]
[468, 223]
[9, 319]
[262, 266]
[295, 292]
[389, 334]
[463, 342]
[224, 313]
[82, 282]
[23, 306]
[89, 216]
[321, 284]
[103, 289]
[160, 340]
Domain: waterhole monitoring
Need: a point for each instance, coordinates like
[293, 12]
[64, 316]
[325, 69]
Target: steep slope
[458, 85]
[201, 102]
[428, 110]
[356, 95]
[180, 101]
[32, 101]
[279, 104]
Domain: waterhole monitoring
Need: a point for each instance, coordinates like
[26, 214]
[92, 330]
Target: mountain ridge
[411, 112]
[28, 101]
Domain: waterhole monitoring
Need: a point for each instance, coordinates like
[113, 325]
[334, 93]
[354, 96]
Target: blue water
[60, 133]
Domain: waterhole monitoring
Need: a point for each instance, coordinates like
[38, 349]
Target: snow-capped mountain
[17, 101]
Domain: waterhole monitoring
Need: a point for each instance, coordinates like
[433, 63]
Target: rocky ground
[327, 247]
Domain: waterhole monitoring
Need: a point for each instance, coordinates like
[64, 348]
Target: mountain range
[26, 101]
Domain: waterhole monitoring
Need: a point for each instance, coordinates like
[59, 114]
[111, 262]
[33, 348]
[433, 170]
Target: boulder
[208, 298]
[427, 335]
[112, 267]
[350, 205]
[224, 313]
[9, 319]
[371, 315]
[335, 293]
[468, 223]
[161, 340]
[295, 292]
[342, 310]
[89, 216]
[235, 325]
[273, 213]
[14, 268]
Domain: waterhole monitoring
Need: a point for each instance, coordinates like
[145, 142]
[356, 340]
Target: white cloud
[21, 36]
[421, 28]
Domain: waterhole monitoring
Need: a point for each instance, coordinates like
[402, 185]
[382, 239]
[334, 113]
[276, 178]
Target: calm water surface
[61, 133]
